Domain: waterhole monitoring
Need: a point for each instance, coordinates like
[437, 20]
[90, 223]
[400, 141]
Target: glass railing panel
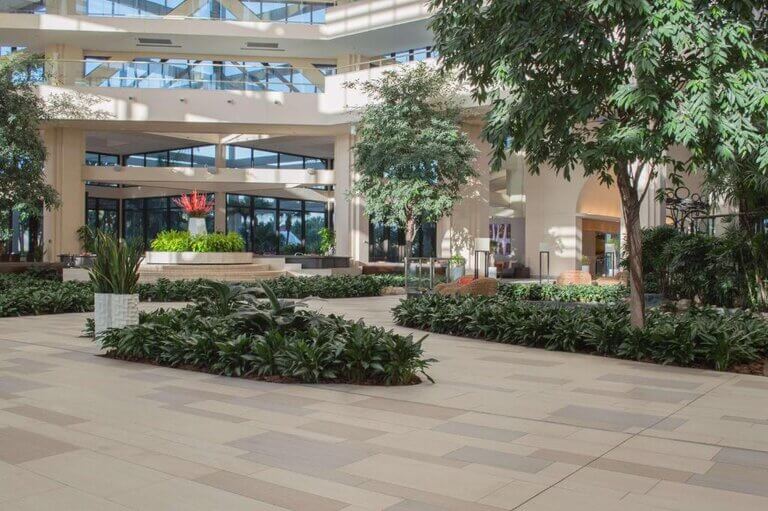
[185, 75]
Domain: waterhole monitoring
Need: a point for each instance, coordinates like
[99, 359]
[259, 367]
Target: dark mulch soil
[759, 368]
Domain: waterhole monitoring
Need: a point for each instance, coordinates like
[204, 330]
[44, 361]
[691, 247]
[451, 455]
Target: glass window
[239, 221]
[204, 156]
[273, 11]
[299, 13]
[159, 159]
[110, 160]
[238, 200]
[290, 204]
[135, 160]
[264, 159]
[289, 231]
[315, 163]
[264, 203]
[91, 159]
[180, 157]
[264, 232]
[313, 222]
[291, 161]
[314, 206]
[239, 157]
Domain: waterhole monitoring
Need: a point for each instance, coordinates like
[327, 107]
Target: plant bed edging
[153, 257]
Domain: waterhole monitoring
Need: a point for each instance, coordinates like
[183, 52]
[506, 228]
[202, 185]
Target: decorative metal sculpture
[684, 208]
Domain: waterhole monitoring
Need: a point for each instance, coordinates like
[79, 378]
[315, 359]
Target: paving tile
[263, 491]
[669, 424]
[17, 483]
[28, 366]
[13, 385]
[427, 500]
[452, 482]
[639, 469]
[63, 499]
[737, 478]
[746, 457]
[354, 495]
[95, 473]
[282, 450]
[42, 414]
[482, 432]
[752, 384]
[616, 418]
[499, 459]
[533, 362]
[183, 495]
[650, 381]
[19, 446]
[409, 408]
[290, 406]
[175, 395]
[538, 379]
[205, 413]
[735, 418]
[342, 430]
[562, 456]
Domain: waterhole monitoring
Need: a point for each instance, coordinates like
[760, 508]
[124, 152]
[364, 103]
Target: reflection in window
[277, 226]
[239, 157]
[102, 214]
[144, 218]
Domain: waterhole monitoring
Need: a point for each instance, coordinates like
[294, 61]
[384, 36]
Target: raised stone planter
[198, 258]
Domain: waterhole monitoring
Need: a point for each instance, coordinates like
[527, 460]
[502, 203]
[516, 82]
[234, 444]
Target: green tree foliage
[606, 87]
[22, 152]
[411, 154]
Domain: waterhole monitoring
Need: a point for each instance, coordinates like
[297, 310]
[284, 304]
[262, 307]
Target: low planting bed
[232, 333]
[721, 340]
[31, 294]
[582, 293]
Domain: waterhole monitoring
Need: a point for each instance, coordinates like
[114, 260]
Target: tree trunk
[630, 204]
[410, 234]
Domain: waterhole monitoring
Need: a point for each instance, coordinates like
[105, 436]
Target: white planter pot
[101, 312]
[115, 311]
[585, 268]
[197, 226]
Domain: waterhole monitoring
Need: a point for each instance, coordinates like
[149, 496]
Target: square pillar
[65, 148]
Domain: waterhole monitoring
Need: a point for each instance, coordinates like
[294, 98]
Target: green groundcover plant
[31, 294]
[584, 293]
[230, 331]
[183, 241]
[701, 337]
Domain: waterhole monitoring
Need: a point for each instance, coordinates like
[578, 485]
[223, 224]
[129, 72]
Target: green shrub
[586, 293]
[182, 241]
[25, 294]
[269, 339]
[699, 337]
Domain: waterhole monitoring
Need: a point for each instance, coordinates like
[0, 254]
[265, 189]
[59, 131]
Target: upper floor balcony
[304, 11]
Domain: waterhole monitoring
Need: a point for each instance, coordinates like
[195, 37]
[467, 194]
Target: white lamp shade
[483, 244]
[543, 247]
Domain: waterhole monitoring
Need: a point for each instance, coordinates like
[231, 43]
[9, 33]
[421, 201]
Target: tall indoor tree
[411, 155]
[22, 151]
[606, 87]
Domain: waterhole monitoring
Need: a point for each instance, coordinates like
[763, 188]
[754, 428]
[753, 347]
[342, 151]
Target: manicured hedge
[341, 286]
[183, 241]
[230, 333]
[586, 293]
[699, 337]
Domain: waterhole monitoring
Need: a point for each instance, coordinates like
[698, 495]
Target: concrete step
[222, 272]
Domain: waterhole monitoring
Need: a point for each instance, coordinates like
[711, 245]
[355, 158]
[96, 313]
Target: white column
[470, 218]
[64, 171]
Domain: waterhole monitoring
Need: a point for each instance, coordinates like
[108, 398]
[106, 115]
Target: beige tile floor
[505, 427]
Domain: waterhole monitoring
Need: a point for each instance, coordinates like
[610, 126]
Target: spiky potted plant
[115, 276]
[197, 207]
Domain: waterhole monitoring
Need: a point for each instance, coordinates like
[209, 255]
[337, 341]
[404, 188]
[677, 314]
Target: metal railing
[299, 12]
[422, 274]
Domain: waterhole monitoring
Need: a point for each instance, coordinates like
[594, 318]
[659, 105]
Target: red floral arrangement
[195, 205]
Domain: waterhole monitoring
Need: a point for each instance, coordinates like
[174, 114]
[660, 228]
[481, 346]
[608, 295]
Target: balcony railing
[205, 75]
[303, 12]
[251, 76]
